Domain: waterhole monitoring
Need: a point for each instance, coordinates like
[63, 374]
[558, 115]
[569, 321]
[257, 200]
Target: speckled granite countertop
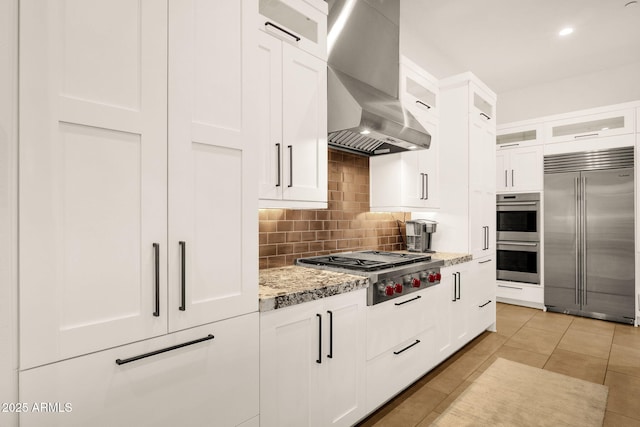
[291, 285]
[451, 258]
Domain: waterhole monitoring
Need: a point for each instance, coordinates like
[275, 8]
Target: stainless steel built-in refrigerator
[589, 266]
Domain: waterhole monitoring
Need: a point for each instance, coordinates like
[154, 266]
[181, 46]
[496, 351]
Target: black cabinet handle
[586, 135]
[486, 303]
[484, 262]
[156, 255]
[330, 355]
[424, 104]
[319, 359]
[421, 186]
[407, 347]
[279, 165]
[164, 350]
[290, 165]
[409, 300]
[183, 276]
[282, 29]
[459, 285]
[426, 186]
[455, 286]
[485, 115]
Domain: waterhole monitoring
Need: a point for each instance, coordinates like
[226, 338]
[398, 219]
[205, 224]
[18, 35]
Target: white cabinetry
[211, 381]
[519, 169]
[312, 362]
[292, 123]
[410, 180]
[590, 126]
[138, 206]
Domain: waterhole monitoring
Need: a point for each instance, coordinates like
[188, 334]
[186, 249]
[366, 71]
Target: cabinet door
[269, 99]
[290, 349]
[304, 125]
[447, 292]
[344, 321]
[207, 383]
[93, 167]
[482, 305]
[502, 170]
[526, 168]
[212, 169]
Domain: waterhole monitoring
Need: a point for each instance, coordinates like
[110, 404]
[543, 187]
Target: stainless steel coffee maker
[419, 233]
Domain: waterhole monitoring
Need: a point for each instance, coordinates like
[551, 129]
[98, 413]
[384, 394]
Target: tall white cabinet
[137, 207]
[292, 104]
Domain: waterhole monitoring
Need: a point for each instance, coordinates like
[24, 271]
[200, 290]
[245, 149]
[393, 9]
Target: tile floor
[593, 350]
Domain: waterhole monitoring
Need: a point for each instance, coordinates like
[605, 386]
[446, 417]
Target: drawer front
[399, 366]
[211, 382]
[484, 315]
[393, 322]
[512, 290]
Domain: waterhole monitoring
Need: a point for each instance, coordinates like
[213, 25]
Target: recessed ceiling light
[566, 31]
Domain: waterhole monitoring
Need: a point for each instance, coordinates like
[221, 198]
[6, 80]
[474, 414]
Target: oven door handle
[505, 203]
[505, 243]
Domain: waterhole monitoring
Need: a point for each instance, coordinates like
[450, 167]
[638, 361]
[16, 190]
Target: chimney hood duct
[365, 115]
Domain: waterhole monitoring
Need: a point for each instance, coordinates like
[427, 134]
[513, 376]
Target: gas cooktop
[366, 260]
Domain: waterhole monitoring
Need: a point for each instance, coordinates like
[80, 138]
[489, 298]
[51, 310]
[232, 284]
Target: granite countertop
[291, 285]
[286, 286]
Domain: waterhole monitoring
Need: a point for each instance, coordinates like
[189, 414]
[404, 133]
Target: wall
[8, 206]
[612, 86]
[346, 225]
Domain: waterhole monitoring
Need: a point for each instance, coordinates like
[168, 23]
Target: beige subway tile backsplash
[346, 225]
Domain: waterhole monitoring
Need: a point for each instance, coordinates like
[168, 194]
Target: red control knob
[438, 276]
[432, 278]
[388, 290]
[398, 288]
[415, 282]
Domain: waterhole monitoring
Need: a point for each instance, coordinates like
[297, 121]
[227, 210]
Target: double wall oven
[518, 237]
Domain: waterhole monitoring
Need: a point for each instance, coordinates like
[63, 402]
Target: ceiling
[513, 44]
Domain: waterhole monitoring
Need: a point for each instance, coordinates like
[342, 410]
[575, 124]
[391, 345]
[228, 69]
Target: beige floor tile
[627, 336]
[535, 340]
[429, 419]
[623, 394]
[555, 322]
[625, 360]
[446, 382]
[517, 313]
[414, 409]
[611, 419]
[593, 326]
[592, 344]
[508, 328]
[488, 345]
[453, 396]
[519, 355]
[577, 365]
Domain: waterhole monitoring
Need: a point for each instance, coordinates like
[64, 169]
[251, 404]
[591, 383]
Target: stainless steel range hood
[365, 115]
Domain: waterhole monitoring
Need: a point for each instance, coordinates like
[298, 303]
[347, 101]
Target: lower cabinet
[483, 303]
[312, 363]
[206, 376]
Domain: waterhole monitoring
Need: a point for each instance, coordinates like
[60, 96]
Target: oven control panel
[396, 286]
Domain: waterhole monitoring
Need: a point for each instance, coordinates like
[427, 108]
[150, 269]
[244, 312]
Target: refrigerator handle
[583, 222]
[576, 191]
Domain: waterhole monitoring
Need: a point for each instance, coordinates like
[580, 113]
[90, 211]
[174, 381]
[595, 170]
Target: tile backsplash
[346, 225]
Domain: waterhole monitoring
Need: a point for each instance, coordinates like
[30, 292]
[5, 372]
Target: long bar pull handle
[424, 104]
[455, 286]
[486, 116]
[279, 165]
[506, 183]
[164, 350]
[459, 285]
[407, 347]
[485, 261]
[409, 300]
[156, 255]
[586, 135]
[290, 147]
[486, 303]
[508, 145]
[330, 355]
[270, 24]
[576, 189]
[426, 186]
[584, 241]
[183, 276]
[421, 186]
[488, 234]
[513, 183]
[319, 359]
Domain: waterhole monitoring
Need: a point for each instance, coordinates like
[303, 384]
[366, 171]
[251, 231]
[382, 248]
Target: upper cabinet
[301, 23]
[519, 154]
[292, 115]
[410, 180]
[119, 241]
[590, 126]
